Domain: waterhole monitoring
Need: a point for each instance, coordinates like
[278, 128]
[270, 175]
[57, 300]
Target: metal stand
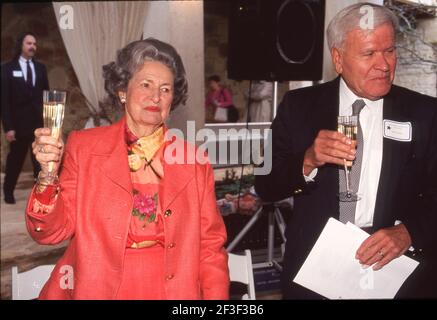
[275, 98]
[275, 216]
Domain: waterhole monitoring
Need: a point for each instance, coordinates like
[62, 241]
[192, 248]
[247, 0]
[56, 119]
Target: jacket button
[171, 245]
[167, 213]
[38, 229]
[169, 277]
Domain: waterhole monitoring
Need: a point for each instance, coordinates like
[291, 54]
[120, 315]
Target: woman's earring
[123, 100]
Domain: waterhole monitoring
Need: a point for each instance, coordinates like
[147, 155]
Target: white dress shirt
[23, 66]
[371, 126]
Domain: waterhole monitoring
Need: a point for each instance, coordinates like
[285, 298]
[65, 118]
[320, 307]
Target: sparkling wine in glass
[348, 125]
[53, 114]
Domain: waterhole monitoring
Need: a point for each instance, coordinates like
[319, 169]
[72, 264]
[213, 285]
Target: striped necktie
[347, 209]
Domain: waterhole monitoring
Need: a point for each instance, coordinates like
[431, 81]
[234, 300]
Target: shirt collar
[23, 60]
[347, 98]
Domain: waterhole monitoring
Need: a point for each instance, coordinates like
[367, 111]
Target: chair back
[240, 270]
[27, 285]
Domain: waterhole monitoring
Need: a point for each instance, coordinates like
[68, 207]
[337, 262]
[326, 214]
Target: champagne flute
[53, 114]
[348, 125]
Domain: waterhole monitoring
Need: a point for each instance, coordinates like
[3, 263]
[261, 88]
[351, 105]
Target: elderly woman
[139, 227]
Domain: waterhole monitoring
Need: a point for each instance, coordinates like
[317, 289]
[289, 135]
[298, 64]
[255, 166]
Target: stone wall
[39, 18]
[414, 70]
[180, 23]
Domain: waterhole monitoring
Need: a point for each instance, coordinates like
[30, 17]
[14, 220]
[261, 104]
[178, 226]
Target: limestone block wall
[414, 70]
[180, 23]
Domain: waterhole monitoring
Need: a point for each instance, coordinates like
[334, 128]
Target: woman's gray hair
[350, 17]
[132, 57]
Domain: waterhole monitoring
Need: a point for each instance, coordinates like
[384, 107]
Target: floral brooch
[145, 206]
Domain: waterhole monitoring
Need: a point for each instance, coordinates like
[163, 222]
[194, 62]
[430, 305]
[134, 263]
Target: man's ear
[337, 60]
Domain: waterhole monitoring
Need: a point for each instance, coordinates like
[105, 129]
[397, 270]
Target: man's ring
[381, 254]
[41, 149]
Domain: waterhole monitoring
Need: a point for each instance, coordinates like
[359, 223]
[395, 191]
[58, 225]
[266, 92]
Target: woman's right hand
[47, 149]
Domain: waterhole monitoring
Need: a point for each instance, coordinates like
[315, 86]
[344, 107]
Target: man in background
[261, 95]
[23, 81]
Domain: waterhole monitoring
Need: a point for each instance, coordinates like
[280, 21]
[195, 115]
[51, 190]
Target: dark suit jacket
[407, 188]
[21, 105]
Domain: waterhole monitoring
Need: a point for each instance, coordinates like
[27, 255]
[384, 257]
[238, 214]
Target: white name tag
[400, 131]
[17, 74]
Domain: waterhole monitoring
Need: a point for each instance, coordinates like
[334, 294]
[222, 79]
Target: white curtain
[95, 32]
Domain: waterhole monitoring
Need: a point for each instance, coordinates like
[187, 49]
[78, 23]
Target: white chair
[27, 285]
[240, 270]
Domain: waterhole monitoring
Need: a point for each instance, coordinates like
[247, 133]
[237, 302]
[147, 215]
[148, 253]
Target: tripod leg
[281, 223]
[271, 236]
[243, 232]
[275, 217]
[281, 226]
[277, 266]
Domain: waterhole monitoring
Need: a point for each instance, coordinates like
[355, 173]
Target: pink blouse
[146, 227]
[222, 96]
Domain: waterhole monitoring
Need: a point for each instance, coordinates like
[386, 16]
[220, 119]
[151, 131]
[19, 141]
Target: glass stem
[347, 174]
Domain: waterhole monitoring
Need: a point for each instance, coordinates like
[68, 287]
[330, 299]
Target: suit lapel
[388, 166]
[116, 166]
[329, 106]
[392, 156]
[176, 175]
[37, 73]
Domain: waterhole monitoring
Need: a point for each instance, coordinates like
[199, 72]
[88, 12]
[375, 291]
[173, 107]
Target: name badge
[399, 131]
[17, 74]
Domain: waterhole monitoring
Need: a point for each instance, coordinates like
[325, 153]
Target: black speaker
[276, 40]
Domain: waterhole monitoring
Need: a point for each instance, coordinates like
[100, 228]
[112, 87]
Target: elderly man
[395, 161]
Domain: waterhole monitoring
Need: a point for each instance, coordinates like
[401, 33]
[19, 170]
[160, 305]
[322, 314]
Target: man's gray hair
[351, 18]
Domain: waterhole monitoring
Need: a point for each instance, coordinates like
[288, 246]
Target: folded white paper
[332, 271]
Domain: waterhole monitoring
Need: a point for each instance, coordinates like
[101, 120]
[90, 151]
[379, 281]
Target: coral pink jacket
[93, 212]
